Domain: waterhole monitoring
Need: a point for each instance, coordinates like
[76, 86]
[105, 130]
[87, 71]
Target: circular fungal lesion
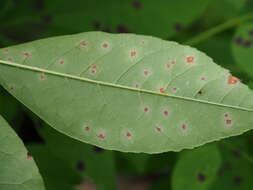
[42, 76]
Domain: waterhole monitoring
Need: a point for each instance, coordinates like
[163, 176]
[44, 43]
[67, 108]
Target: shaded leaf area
[215, 12]
[9, 106]
[127, 92]
[18, 15]
[153, 166]
[55, 172]
[122, 16]
[196, 169]
[91, 162]
[236, 171]
[18, 169]
[125, 16]
[242, 47]
[161, 184]
[219, 49]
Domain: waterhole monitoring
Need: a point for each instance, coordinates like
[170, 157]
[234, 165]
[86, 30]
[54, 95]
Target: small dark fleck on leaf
[251, 32]
[238, 40]
[178, 27]
[236, 154]
[201, 177]
[137, 4]
[122, 29]
[96, 25]
[80, 165]
[237, 180]
[98, 149]
[107, 29]
[247, 43]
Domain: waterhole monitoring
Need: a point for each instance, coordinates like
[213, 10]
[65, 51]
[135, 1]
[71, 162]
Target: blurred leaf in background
[242, 48]
[62, 161]
[56, 173]
[196, 169]
[92, 162]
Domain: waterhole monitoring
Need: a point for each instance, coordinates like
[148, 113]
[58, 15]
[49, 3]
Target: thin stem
[220, 28]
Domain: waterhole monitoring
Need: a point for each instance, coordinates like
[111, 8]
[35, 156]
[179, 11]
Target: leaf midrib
[45, 71]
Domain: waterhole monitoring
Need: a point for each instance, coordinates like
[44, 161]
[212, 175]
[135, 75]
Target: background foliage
[65, 163]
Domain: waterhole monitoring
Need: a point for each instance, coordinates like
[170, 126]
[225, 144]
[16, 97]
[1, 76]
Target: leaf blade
[119, 115]
[17, 170]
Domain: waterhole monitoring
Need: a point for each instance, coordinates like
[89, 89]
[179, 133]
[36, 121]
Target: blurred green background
[69, 164]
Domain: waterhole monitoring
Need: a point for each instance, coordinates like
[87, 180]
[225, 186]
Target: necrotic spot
[201, 177]
[98, 149]
[247, 44]
[101, 136]
[190, 59]
[29, 157]
[203, 78]
[80, 166]
[165, 112]
[228, 121]
[236, 154]
[237, 180]
[162, 90]
[146, 109]
[183, 126]
[87, 128]
[122, 29]
[146, 73]
[136, 4]
[178, 27]
[105, 45]
[238, 41]
[96, 25]
[251, 32]
[27, 54]
[84, 43]
[128, 134]
[174, 89]
[168, 66]
[133, 53]
[159, 129]
[232, 80]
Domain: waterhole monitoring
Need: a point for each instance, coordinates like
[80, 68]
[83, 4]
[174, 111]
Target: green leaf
[196, 169]
[145, 164]
[235, 172]
[9, 106]
[127, 92]
[159, 18]
[18, 170]
[55, 172]
[242, 48]
[87, 160]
